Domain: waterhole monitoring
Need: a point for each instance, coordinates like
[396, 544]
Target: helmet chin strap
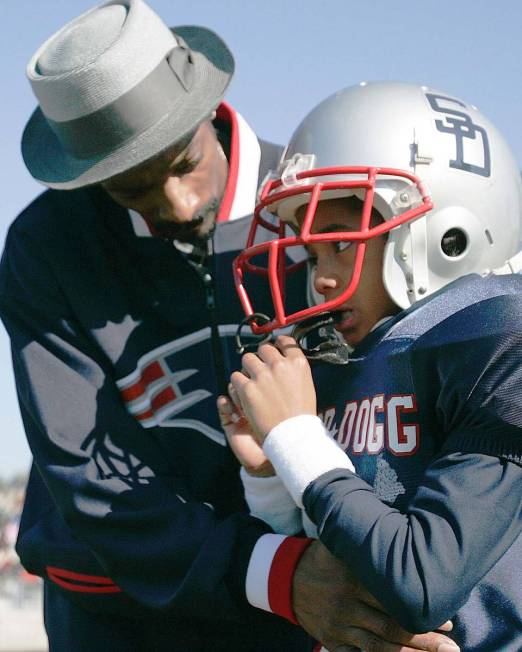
[511, 266]
[330, 348]
[251, 342]
[419, 254]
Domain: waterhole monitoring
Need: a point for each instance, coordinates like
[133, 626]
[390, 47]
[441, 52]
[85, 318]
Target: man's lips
[179, 230]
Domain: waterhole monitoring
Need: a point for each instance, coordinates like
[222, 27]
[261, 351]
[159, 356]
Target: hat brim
[50, 164]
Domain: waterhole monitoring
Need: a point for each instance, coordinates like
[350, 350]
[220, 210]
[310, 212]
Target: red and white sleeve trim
[270, 572]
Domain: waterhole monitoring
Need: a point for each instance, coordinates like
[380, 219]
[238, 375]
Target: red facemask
[278, 264]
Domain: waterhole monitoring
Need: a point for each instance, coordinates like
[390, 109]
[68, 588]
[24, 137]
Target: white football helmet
[439, 173]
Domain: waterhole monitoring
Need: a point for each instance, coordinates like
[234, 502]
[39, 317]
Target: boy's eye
[340, 247]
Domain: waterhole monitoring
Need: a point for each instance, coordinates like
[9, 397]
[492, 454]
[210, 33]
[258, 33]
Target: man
[408, 460]
[115, 289]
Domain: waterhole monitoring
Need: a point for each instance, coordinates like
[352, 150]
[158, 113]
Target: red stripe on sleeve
[280, 576]
[83, 588]
[80, 577]
[81, 583]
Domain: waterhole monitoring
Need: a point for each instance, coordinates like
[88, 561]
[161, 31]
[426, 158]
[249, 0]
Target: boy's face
[334, 268]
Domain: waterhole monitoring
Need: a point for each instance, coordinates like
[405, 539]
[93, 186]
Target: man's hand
[334, 608]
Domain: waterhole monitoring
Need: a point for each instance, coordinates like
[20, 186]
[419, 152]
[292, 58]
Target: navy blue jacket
[134, 505]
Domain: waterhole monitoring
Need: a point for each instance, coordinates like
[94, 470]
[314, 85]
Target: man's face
[180, 190]
[334, 267]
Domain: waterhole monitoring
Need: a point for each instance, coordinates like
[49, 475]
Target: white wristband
[301, 450]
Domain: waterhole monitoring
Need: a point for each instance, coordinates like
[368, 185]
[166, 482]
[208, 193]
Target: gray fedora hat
[116, 87]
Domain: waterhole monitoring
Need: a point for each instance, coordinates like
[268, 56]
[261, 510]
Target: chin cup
[330, 348]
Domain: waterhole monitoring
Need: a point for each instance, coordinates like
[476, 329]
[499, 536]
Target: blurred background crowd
[20, 593]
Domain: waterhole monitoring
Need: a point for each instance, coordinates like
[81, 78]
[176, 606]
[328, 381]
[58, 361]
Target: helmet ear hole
[454, 243]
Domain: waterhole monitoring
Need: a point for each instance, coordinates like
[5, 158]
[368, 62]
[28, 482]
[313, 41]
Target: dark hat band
[132, 113]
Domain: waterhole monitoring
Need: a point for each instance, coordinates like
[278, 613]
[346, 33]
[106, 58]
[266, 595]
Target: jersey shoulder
[471, 308]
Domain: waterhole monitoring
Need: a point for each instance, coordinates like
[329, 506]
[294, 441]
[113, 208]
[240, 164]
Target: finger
[431, 642]
[227, 412]
[223, 405]
[269, 353]
[288, 346]
[251, 364]
[234, 396]
[447, 627]
[335, 646]
[366, 640]
[379, 627]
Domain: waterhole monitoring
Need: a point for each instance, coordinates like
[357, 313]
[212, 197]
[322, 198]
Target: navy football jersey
[429, 409]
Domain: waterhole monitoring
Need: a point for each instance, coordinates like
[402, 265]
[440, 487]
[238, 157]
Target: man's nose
[178, 202]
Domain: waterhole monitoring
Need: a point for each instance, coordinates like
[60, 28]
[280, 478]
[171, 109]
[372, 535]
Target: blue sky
[289, 56]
